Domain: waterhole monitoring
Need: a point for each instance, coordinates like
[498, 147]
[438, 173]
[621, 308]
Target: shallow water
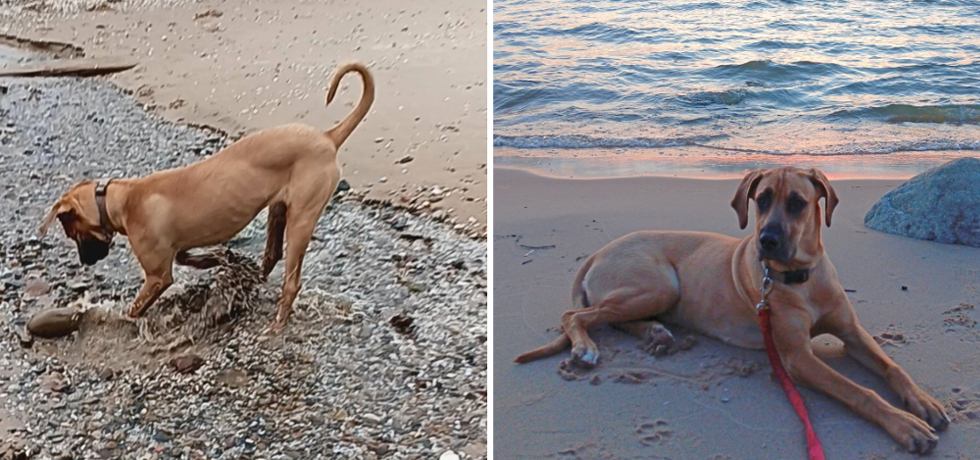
[689, 83]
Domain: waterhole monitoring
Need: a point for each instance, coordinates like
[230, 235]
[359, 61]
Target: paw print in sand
[654, 433]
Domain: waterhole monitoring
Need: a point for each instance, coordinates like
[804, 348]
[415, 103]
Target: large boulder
[941, 204]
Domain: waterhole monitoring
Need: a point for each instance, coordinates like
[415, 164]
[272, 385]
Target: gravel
[385, 356]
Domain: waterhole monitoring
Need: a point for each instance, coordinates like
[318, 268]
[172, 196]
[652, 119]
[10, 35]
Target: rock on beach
[53, 323]
[942, 205]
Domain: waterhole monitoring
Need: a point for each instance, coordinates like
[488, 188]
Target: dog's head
[79, 216]
[787, 211]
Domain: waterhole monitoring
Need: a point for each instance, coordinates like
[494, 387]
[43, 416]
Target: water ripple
[853, 76]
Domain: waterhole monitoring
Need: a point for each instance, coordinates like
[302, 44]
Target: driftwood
[82, 67]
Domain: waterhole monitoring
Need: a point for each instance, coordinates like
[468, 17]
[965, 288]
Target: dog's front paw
[927, 408]
[135, 312]
[911, 432]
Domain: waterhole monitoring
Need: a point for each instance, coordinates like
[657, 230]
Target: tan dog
[711, 283]
[290, 169]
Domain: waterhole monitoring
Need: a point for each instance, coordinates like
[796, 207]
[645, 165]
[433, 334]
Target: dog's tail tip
[340, 132]
[553, 348]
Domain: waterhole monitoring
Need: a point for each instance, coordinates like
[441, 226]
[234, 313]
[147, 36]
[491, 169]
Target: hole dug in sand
[192, 315]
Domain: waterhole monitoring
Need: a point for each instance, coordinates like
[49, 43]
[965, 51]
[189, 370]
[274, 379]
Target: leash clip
[766, 289]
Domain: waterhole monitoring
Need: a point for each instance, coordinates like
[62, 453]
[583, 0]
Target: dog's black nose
[769, 241]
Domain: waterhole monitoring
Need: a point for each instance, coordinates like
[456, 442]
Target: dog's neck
[105, 222]
[798, 271]
[110, 205]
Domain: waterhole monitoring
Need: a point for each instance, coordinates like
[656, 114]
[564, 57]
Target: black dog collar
[104, 222]
[793, 277]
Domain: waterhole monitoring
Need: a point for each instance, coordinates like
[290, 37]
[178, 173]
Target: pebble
[36, 287]
[187, 363]
[55, 322]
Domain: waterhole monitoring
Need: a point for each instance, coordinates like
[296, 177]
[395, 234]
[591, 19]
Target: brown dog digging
[290, 169]
[711, 283]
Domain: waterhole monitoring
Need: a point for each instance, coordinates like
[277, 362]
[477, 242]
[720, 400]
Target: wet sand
[713, 401]
[245, 66]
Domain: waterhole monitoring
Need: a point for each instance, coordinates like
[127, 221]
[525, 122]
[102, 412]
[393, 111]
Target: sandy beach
[244, 66]
[713, 401]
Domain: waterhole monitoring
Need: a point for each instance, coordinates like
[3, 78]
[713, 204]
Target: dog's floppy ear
[745, 191]
[823, 186]
[58, 208]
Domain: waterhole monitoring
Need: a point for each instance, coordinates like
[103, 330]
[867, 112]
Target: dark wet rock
[402, 324]
[187, 363]
[942, 205]
[54, 323]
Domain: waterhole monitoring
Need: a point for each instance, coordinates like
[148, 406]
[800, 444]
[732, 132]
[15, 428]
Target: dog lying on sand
[712, 283]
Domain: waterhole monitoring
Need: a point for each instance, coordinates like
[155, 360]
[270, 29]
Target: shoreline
[698, 163]
[714, 401]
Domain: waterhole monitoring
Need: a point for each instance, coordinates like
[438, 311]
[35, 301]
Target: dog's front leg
[158, 271]
[791, 335]
[862, 347]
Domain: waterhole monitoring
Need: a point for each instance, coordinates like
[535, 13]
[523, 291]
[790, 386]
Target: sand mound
[192, 314]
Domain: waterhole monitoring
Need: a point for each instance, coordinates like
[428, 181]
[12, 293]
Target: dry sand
[714, 401]
[245, 66]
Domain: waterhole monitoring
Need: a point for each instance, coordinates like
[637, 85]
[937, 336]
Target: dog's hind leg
[299, 231]
[201, 261]
[657, 340]
[273, 239]
[622, 305]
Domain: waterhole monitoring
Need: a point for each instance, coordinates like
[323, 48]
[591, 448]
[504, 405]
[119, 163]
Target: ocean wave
[598, 31]
[727, 97]
[581, 141]
[904, 113]
[768, 70]
[863, 148]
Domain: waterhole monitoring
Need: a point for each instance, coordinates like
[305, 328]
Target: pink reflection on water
[691, 163]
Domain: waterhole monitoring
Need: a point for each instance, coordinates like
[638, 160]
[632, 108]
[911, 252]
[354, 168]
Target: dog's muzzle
[772, 243]
[92, 250]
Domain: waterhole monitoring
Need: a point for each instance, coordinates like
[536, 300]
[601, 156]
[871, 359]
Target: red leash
[813, 446]
[812, 443]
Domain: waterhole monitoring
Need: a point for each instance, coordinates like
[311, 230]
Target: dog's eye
[795, 205]
[764, 200]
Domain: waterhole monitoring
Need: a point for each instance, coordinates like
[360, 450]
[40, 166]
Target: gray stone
[942, 205]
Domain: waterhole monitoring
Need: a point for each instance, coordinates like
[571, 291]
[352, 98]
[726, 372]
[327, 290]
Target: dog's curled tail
[340, 132]
[580, 300]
